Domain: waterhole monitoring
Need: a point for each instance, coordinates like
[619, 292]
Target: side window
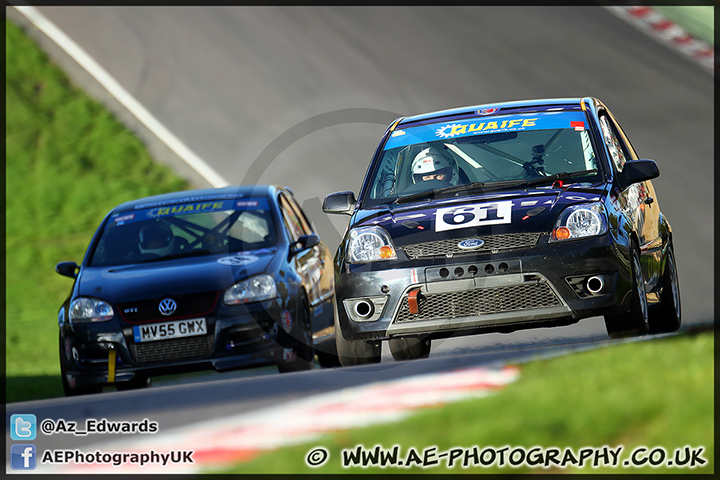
[620, 134]
[304, 222]
[292, 223]
[617, 152]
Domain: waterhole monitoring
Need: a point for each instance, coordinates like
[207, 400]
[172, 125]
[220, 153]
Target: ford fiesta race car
[497, 218]
[205, 279]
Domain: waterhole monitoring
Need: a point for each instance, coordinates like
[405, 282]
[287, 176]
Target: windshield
[490, 152]
[185, 229]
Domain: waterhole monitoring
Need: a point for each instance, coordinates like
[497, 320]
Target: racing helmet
[430, 163]
[156, 238]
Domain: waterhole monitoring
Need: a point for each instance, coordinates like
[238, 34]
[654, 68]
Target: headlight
[369, 244]
[580, 221]
[255, 289]
[90, 310]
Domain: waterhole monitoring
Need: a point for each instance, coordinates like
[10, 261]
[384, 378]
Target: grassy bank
[68, 162]
[698, 20]
[653, 394]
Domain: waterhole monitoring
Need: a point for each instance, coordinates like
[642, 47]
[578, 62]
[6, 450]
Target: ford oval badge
[471, 243]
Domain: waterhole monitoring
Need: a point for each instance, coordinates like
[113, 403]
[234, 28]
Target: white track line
[122, 95]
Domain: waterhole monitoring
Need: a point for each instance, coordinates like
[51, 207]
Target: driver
[432, 166]
[156, 238]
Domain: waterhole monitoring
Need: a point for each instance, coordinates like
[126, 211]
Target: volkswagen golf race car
[501, 217]
[217, 278]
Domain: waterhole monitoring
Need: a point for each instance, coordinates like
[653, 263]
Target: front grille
[510, 241]
[482, 301]
[171, 350]
[191, 305]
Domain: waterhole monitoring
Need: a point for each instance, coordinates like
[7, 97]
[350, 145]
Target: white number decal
[493, 213]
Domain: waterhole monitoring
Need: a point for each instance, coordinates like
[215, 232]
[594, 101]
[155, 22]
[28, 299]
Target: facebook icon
[23, 427]
[22, 457]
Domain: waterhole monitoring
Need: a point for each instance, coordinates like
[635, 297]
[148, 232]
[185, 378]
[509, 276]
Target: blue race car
[500, 217]
[216, 278]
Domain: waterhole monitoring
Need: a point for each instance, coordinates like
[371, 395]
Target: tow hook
[112, 356]
[414, 299]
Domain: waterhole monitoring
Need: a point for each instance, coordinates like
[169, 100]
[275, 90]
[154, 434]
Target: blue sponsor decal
[483, 126]
[192, 207]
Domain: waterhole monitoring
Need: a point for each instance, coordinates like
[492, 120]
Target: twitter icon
[23, 427]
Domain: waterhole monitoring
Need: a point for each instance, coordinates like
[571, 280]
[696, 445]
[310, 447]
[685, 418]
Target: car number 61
[492, 213]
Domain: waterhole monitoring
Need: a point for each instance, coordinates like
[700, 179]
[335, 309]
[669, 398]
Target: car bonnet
[534, 210]
[182, 276]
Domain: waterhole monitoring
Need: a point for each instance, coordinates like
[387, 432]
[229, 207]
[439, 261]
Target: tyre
[667, 317]
[355, 353]
[137, 382]
[76, 390]
[304, 351]
[635, 321]
[327, 355]
[409, 348]
[328, 360]
[326, 351]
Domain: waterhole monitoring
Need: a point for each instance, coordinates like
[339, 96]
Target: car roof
[490, 109]
[207, 194]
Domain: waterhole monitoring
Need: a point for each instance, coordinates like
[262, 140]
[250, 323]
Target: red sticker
[286, 320]
[487, 111]
[578, 126]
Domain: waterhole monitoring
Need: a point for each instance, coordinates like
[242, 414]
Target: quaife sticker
[491, 213]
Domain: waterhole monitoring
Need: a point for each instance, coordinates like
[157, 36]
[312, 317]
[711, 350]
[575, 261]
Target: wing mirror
[636, 171]
[339, 202]
[303, 243]
[67, 269]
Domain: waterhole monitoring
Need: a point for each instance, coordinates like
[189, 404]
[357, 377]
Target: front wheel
[355, 353]
[668, 316]
[409, 348]
[136, 383]
[635, 321]
[70, 388]
[304, 350]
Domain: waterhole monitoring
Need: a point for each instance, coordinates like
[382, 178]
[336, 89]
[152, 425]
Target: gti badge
[168, 306]
[471, 243]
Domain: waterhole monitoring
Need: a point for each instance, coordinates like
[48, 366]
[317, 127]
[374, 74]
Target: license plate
[168, 330]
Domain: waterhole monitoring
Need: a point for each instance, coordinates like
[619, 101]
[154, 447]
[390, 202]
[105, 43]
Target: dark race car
[501, 217]
[217, 278]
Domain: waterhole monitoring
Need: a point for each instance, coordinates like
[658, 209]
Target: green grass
[68, 162]
[657, 393]
[698, 20]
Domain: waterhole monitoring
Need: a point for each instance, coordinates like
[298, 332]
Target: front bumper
[238, 337]
[467, 294]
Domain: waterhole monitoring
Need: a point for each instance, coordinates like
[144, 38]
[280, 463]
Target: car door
[310, 263]
[638, 200]
[650, 210]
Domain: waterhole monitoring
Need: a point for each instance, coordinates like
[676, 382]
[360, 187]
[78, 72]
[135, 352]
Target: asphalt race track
[300, 96]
